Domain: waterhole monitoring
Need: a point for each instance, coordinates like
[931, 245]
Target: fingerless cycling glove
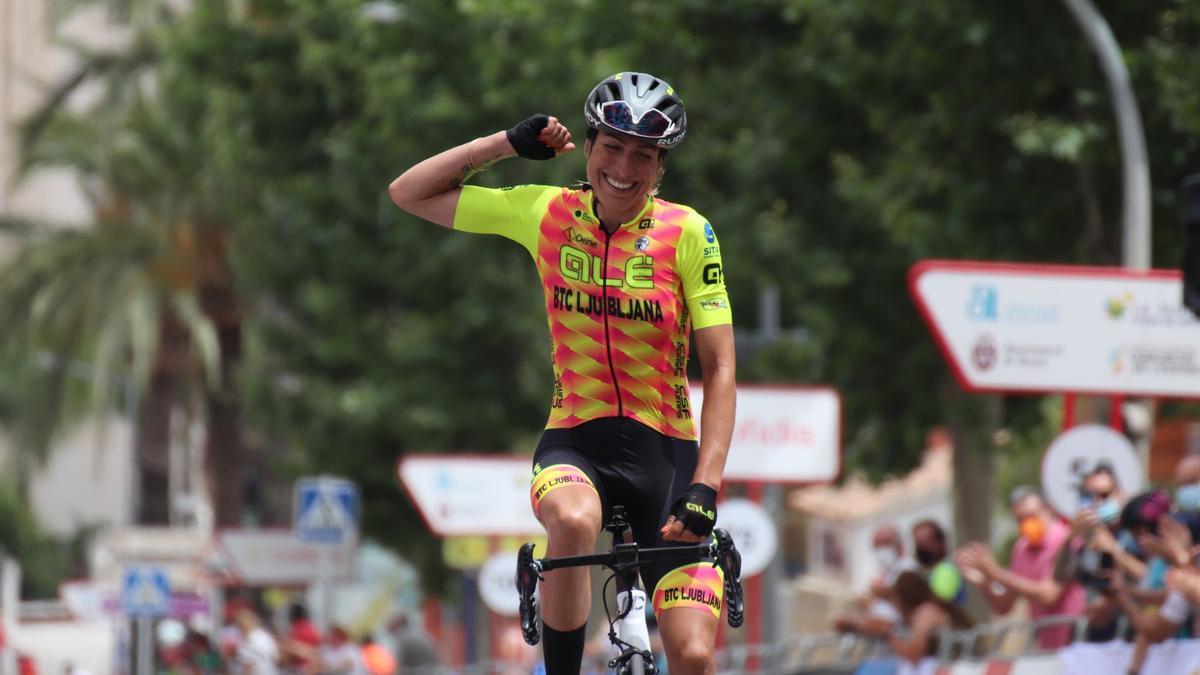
[696, 508]
[524, 137]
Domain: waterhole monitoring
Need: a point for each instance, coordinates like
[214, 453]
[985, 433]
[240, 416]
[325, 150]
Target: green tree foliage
[832, 145]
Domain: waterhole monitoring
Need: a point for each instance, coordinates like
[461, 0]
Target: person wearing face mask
[1091, 555]
[1187, 490]
[929, 540]
[1030, 574]
[879, 611]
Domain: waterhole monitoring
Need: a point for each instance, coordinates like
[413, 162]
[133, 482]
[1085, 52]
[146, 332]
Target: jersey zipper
[607, 340]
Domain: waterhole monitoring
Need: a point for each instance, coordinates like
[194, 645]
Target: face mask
[1109, 511]
[1033, 529]
[886, 556]
[926, 558]
[1187, 497]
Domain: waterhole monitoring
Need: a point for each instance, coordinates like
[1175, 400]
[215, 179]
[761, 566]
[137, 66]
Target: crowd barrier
[1002, 648]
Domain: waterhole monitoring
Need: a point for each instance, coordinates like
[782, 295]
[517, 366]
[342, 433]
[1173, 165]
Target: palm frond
[120, 71]
[203, 335]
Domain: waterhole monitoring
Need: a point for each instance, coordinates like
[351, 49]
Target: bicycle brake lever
[527, 578]
[726, 556]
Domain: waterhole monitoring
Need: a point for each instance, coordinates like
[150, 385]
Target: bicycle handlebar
[720, 550]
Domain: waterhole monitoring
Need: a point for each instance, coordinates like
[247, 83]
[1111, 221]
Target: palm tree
[145, 290]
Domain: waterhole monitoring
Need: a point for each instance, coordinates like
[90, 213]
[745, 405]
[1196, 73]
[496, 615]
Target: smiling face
[622, 171]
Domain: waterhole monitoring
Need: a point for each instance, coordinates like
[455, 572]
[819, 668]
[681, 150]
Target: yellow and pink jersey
[621, 307]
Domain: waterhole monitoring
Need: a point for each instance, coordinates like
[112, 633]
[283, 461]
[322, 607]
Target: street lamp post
[1135, 213]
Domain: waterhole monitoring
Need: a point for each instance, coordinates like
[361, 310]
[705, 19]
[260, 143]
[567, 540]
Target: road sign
[1056, 328]
[498, 584]
[1079, 450]
[145, 592]
[270, 557]
[471, 494]
[782, 434]
[753, 533]
[326, 510]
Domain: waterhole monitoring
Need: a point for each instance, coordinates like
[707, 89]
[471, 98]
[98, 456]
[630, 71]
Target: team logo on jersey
[642, 243]
[576, 237]
[709, 235]
[646, 224]
[714, 304]
[584, 216]
[713, 274]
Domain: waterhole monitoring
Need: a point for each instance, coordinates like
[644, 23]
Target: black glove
[524, 138]
[696, 508]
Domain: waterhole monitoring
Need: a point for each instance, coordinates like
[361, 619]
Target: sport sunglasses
[651, 124]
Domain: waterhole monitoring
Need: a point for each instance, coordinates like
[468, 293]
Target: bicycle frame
[623, 560]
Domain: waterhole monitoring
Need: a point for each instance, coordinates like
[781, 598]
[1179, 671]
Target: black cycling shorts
[632, 465]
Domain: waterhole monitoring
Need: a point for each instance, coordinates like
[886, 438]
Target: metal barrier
[842, 653]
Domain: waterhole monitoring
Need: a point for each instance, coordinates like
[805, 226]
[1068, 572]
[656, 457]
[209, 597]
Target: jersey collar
[589, 199]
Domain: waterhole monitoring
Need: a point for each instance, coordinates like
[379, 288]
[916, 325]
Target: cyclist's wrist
[487, 150]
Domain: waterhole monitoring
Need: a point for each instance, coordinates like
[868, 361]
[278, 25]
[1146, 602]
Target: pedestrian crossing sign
[326, 510]
[145, 591]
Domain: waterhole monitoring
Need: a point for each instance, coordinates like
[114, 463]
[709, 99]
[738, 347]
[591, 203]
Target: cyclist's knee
[693, 654]
[573, 521]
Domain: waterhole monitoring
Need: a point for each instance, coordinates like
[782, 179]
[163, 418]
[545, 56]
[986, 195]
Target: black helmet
[639, 105]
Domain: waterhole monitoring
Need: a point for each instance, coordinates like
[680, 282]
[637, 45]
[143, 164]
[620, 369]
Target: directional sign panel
[145, 592]
[326, 510]
[1053, 328]
[471, 494]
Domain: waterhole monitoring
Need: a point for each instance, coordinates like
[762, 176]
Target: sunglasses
[651, 124]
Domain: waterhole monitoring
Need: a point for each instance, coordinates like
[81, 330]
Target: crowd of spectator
[1124, 565]
[246, 645]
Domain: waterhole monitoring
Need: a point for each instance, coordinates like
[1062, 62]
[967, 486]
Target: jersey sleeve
[513, 212]
[698, 262]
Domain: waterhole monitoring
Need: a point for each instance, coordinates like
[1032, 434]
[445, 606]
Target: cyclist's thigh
[665, 473]
[564, 481]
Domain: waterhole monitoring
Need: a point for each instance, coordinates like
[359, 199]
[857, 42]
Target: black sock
[563, 650]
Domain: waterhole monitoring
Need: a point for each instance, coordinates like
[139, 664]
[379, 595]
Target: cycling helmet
[639, 105]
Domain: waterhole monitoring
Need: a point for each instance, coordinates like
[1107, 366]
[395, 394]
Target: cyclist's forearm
[447, 170]
[716, 425]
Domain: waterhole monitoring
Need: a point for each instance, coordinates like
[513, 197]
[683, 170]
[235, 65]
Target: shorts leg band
[695, 586]
[550, 478]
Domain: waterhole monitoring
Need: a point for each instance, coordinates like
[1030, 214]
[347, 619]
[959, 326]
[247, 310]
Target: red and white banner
[782, 434]
[1055, 328]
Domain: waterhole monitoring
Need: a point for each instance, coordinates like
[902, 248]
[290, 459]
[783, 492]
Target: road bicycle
[627, 631]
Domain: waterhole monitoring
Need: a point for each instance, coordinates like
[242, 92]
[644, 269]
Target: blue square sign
[145, 592]
[326, 510]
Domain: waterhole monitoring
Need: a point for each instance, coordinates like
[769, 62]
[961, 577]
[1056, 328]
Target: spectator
[1031, 569]
[1101, 493]
[377, 659]
[257, 653]
[301, 648]
[924, 614]
[1093, 552]
[414, 649]
[341, 656]
[888, 550]
[931, 549]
